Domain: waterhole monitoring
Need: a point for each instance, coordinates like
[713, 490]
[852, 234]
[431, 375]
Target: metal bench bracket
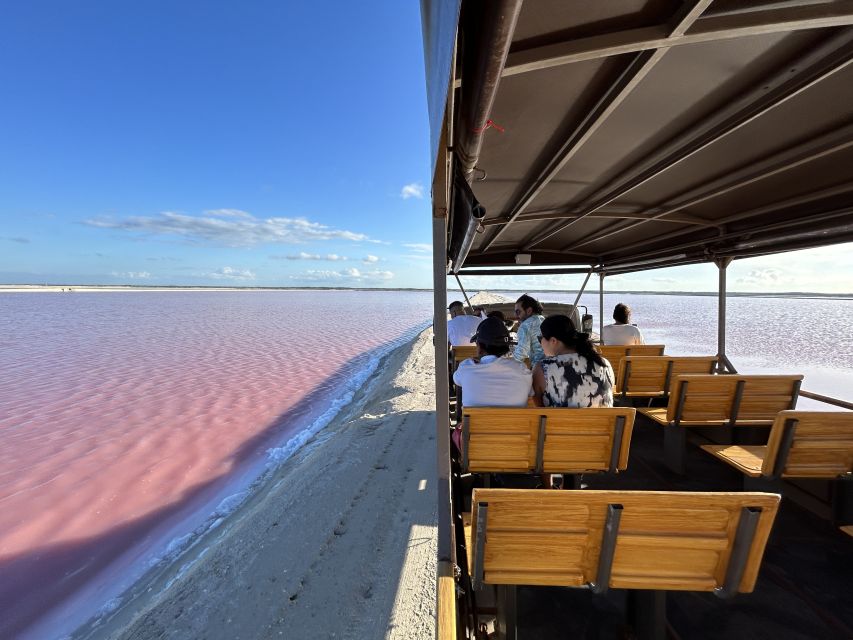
[608, 548]
[744, 536]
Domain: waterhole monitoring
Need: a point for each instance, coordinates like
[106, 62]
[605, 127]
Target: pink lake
[122, 414]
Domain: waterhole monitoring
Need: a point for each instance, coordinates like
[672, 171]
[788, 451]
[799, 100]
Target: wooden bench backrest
[615, 352]
[653, 374]
[507, 439]
[713, 399]
[664, 541]
[463, 352]
[821, 445]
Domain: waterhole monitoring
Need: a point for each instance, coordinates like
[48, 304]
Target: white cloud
[346, 276]
[370, 259]
[419, 247]
[412, 190]
[229, 213]
[134, 275]
[768, 276]
[333, 257]
[229, 273]
[230, 227]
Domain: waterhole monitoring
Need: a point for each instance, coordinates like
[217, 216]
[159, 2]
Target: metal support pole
[722, 264]
[442, 399]
[583, 287]
[459, 282]
[600, 305]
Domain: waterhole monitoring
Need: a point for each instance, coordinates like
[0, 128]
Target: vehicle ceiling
[635, 134]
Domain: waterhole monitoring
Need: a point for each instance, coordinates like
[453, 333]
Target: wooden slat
[504, 439]
[463, 352]
[446, 619]
[709, 398]
[666, 540]
[822, 447]
[746, 459]
[648, 374]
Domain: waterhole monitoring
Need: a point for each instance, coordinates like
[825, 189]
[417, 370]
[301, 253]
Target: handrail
[827, 399]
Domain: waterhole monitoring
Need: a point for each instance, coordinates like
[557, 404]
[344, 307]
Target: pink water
[121, 413]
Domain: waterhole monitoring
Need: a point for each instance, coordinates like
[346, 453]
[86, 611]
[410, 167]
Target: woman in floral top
[529, 314]
[572, 373]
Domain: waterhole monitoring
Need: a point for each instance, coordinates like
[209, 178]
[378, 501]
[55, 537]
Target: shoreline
[36, 288]
[303, 510]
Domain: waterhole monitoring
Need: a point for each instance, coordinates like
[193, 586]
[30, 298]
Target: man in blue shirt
[528, 310]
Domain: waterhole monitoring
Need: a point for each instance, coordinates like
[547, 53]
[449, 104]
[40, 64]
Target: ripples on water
[119, 412]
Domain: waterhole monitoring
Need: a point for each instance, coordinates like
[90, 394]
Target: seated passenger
[461, 326]
[529, 314]
[497, 313]
[622, 331]
[492, 379]
[573, 373]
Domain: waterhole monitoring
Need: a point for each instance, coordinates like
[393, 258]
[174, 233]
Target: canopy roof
[636, 134]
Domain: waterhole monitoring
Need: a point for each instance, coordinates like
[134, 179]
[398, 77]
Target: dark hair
[529, 302]
[494, 349]
[497, 313]
[622, 313]
[455, 304]
[561, 327]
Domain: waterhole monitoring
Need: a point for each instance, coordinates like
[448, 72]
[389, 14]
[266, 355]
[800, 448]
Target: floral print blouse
[572, 380]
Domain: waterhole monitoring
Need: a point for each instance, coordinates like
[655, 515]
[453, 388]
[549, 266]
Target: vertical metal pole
[600, 305]
[442, 394]
[722, 264]
[459, 282]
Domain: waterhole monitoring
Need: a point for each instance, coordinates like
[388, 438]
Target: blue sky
[262, 143]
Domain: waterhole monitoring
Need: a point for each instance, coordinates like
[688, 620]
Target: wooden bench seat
[651, 376]
[546, 440]
[644, 540]
[720, 401]
[802, 444]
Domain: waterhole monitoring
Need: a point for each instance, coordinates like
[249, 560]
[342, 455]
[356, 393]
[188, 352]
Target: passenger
[492, 379]
[461, 326]
[497, 313]
[529, 314]
[622, 331]
[573, 373]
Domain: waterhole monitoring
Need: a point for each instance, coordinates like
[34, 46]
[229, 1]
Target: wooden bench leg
[647, 612]
[507, 612]
[674, 446]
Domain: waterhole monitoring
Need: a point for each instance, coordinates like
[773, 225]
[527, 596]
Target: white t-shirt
[494, 382]
[461, 328]
[621, 334]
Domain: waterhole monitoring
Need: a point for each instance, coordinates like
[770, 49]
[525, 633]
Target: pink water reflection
[121, 412]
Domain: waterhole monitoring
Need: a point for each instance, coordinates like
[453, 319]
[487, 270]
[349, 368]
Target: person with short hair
[622, 331]
[492, 379]
[461, 326]
[528, 310]
[572, 373]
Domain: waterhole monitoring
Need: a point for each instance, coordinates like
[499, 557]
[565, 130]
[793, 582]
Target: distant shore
[87, 288]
